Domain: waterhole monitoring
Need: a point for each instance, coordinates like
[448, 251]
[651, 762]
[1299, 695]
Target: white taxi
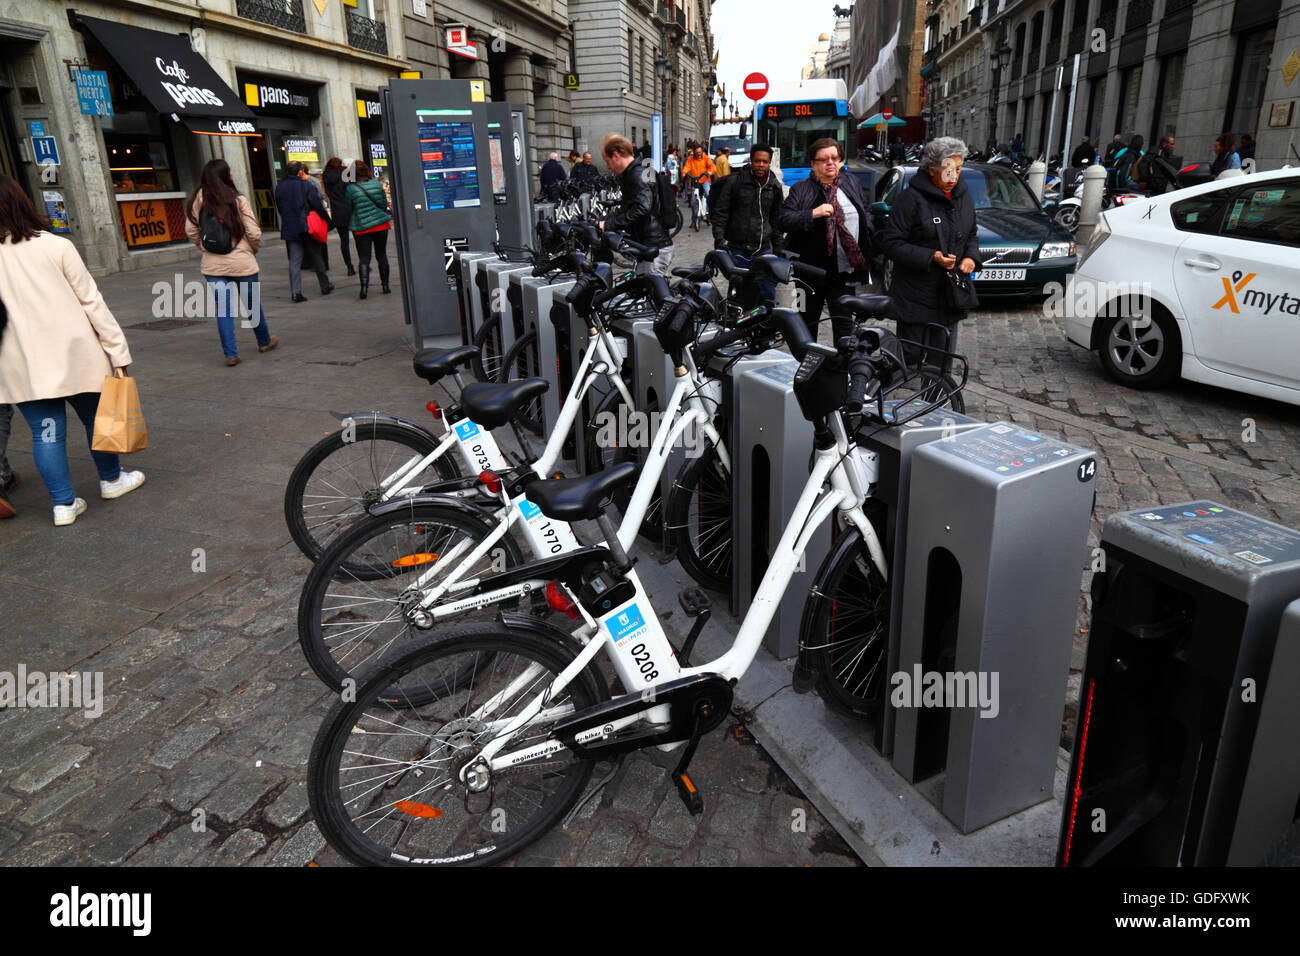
[1202, 282]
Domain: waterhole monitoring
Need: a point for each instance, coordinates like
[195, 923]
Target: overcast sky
[763, 35]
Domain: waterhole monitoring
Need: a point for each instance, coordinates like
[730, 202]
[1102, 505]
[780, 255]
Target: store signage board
[145, 222]
[420, 8]
[55, 211]
[45, 150]
[301, 149]
[36, 127]
[458, 42]
[378, 154]
[92, 92]
[571, 81]
[367, 108]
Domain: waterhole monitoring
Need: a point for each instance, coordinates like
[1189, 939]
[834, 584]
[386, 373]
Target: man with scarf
[827, 223]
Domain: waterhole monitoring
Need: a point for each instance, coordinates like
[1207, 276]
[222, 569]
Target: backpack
[1117, 175]
[213, 234]
[668, 213]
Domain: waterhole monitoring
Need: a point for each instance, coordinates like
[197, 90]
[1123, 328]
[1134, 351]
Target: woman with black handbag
[932, 240]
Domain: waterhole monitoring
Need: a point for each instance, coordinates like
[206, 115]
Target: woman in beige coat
[230, 259]
[60, 343]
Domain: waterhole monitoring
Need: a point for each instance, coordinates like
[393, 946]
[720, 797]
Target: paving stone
[50, 767]
[608, 843]
[239, 703]
[641, 786]
[56, 801]
[114, 800]
[127, 835]
[230, 801]
[17, 751]
[289, 806]
[124, 751]
[301, 848]
[220, 654]
[186, 790]
[45, 851]
[127, 717]
[792, 826]
[7, 804]
[547, 851]
[291, 746]
[659, 856]
[183, 705]
[239, 846]
[184, 744]
[673, 823]
[180, 847]
[717, 856]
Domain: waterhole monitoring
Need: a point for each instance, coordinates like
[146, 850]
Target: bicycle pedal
[690, 796]
[694, 601]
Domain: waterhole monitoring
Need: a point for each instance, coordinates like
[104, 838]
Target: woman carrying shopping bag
[370, 224]
[60, 344]
[221, 222]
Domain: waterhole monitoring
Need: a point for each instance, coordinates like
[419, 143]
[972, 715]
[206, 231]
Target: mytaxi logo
[1255, 298]
[1230, 291]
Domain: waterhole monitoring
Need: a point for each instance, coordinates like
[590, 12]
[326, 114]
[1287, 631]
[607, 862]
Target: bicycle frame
[840, 481]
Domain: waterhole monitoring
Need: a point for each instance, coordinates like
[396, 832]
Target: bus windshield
[737, 144]
[793, 136]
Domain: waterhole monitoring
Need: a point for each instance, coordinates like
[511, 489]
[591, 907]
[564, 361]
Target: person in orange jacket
[698, 172]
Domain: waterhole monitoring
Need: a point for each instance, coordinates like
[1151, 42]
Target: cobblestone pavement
[209, 709]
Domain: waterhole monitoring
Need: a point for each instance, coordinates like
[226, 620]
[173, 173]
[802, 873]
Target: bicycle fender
[548, 631]
[402, 423]
[465, 507]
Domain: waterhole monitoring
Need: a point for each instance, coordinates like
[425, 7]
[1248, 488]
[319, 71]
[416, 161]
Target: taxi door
[1239, 280]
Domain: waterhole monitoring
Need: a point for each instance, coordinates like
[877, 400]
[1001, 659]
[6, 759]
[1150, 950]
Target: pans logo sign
[145, 222]
[180, 91]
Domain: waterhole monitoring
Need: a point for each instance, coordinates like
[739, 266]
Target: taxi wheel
[1139, 347]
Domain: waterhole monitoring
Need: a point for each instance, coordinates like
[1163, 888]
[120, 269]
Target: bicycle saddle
[865, 304]
[572, 499]
[491, 405]
[694, 273]
[433, 364]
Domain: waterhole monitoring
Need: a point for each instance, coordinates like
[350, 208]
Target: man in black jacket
[585, 170]
[637, 215]
[1114, 149]
[295, 197]
[1083, 153]
[826, 221]
[744, 211]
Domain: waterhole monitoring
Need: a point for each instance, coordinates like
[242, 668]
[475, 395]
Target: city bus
[792, 116]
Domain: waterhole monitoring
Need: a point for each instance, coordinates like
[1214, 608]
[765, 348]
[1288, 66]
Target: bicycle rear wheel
[384, 779]
[486, 363]
[522, 361]
[699, 514]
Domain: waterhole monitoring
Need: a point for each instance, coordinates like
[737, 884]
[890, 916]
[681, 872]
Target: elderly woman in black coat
[931, 230]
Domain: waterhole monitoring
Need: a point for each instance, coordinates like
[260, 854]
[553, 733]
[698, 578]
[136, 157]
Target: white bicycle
[466, 749]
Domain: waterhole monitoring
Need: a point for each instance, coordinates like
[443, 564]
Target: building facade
[1133, 76]
[885, 60]
[635, 58]
[282, 80]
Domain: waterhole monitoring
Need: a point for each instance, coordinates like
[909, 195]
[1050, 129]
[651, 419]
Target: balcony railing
[366, 34]
[1139, 14]
[285, 14]
[1053, 52]
[1035, 57]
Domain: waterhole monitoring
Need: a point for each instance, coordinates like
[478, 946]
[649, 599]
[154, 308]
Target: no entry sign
[887, 114]
[755, 86]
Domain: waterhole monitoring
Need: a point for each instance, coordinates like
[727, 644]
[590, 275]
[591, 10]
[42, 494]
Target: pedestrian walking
[336, 191]
[826, 221]
[552, 172]
[722, 164]
[674, 165]
[221, 222]
[745, 209]
[371, 222]
[1084, 154]
[1225, 154]
[295, 197]
[1155, 172]
[638, 216]
[59, 344]
[931, 230]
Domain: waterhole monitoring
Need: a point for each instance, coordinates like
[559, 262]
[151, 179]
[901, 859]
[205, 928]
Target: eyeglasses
[827, 159]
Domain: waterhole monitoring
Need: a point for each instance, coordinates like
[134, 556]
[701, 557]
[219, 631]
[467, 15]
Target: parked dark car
[1022, 248]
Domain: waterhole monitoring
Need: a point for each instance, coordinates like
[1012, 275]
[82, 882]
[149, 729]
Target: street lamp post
[1001, 60]
[664, 70]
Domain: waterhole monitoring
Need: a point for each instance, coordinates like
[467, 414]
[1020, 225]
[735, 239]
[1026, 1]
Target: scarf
[835, 223]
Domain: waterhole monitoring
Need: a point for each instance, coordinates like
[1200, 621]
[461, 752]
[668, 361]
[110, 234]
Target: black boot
[383, 276]
[363, 270]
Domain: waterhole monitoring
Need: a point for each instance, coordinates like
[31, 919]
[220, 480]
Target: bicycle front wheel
[846, 628]
[699, 514]
[486, 363]
[340, 476]
[384, 780]
[356, 605]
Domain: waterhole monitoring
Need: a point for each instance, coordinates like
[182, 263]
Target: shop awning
[177, 81]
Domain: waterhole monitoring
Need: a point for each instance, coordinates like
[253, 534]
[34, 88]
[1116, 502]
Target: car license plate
[1001, 275]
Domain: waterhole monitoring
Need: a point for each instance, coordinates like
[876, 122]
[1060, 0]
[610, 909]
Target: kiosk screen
[447, 159]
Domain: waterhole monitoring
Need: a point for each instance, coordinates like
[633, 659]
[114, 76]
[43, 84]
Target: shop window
[1169, 96]
[1249, 76]
[140, 163]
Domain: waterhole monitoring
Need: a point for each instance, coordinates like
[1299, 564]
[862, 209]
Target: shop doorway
[259, 165]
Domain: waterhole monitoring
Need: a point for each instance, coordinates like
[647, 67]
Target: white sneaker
[126, 482]
[66, 514]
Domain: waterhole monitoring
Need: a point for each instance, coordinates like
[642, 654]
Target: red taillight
[1077, 789]
[490, 481]
[435, 409]
[1188, 169]
[559, 602]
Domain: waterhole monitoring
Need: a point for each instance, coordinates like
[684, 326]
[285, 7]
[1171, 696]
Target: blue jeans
[48, 420]
[223, 290]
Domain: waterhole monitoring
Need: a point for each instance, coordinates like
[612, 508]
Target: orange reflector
[687, 780]
[413, 809]
[413, 560]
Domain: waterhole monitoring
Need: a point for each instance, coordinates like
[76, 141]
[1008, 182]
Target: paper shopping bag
[119, 420]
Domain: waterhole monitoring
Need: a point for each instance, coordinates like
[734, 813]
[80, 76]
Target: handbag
[316, 227]
[119, 420]
[958, 289]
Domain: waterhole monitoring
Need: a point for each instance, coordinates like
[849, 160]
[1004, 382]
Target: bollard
[1094, 187]
[1036, 178]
